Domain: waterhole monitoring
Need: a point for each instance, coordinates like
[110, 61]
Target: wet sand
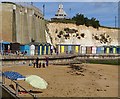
[93, 80]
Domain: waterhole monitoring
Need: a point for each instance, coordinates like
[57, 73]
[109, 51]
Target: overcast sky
[105, 12]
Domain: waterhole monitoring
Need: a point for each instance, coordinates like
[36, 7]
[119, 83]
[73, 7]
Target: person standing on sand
[37, 62]
[34, 62]
[46, 59]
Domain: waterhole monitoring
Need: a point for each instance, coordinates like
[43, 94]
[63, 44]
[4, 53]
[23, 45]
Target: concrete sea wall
[22, 23]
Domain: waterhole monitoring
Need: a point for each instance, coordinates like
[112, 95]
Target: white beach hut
[32, 50]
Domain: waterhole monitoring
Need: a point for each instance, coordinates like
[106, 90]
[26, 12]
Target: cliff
[67, 33]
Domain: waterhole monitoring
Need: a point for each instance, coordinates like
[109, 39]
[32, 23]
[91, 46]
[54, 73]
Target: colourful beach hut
[83, 49]
[118, 49]
[106, 49]
[66, 48]
[62, 49]
[58, 48]
[89, 50]
[77, 48]
[14, 47]
[41, 49]
[100, 50]
[94, 50]
[25, 48]
[5, 46]
[113, 50]
[47, 48]
[69, 48]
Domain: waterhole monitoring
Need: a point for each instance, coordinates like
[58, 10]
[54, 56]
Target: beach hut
[73, 48]
[76, 48]
[47, 47]
[69, 48]
[14, 47]
[66, 49]
[22, 48]
[5, 47]
[40, 49]
[106, 49]
[57, 48]
[100, 50]
[89, 50]
[113, 50]
[94, 50]
[118, 49]
[25, 48]
[62, 49]
[83, 49]
[32, 50]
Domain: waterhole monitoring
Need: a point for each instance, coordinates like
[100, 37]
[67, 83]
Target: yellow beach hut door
[114, 50]
[107, 51]
[76, 49]
[62, 49]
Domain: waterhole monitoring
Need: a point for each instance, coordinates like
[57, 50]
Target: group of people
[37, 64]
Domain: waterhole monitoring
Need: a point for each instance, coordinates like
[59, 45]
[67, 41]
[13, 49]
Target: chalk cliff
[67, 33]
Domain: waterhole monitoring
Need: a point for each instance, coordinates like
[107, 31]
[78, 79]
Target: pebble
[99, 89]
[105, 78]
[107, 86]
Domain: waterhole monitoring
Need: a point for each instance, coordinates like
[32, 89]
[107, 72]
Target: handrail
[23, 88]
[18, 85]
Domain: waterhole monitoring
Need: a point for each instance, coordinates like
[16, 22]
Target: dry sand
[94, 80]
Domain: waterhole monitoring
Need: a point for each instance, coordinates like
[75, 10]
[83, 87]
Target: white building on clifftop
[60, 14]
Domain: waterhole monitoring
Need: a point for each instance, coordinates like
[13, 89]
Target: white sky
[61, 0]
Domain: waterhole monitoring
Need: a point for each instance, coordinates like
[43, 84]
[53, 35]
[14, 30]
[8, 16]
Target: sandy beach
[92, 80]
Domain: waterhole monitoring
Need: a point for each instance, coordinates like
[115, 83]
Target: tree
[81, 20]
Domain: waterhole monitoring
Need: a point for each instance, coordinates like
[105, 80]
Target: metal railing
[17, 87]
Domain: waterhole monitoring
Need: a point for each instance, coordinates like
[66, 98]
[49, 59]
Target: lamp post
[115, 21]
[1, 47]
[70, 13]
[43, 10]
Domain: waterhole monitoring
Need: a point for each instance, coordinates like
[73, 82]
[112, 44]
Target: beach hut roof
[5, 42]
[33, 43]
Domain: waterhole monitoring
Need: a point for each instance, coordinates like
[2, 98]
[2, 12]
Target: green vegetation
[82, 20]
[63, 21]
[79, 19]
[105, 61]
